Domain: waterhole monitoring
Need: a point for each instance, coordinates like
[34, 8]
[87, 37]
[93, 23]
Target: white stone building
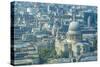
[73, 44]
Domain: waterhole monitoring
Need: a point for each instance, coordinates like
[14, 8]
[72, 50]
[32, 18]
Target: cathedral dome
[74, 26]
